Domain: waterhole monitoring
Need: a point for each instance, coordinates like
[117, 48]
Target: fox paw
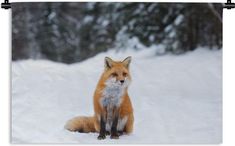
[107, 133]
[114, 136]
[100, 137]
[120, 133]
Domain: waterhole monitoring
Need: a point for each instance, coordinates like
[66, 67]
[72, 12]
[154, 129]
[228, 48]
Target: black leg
[114, 133]
[102, 129]
[107, 133]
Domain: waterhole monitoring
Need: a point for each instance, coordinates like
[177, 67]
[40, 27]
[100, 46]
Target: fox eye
[124, 74]
[114, 74]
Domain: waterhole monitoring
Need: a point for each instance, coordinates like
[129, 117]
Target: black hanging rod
[6, 5]
[228, 5]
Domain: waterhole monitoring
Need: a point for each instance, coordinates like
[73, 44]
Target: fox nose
[122, 81]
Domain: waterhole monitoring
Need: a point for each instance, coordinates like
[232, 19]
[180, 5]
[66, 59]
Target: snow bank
[176, 99]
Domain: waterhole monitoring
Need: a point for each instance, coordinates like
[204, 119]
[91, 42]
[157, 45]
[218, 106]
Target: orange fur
[92, 124]
[81, 124]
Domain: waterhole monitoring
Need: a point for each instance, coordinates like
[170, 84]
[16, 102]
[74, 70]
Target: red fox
[112, 105]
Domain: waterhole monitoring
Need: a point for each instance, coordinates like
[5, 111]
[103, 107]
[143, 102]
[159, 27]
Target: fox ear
[108, 62]
[126, 62]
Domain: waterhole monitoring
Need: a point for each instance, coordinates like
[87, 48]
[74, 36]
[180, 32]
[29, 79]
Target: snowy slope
[176, 99]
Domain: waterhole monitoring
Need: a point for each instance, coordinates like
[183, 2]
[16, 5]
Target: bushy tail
[81, 124]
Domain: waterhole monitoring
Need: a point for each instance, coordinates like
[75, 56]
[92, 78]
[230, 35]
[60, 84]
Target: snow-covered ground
[176, 99]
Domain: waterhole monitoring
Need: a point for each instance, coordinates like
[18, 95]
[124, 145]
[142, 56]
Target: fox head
[117, 72]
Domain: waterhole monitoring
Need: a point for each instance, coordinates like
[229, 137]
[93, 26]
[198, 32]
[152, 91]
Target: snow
[176, 99]
[52, 15]
[88, 19]
[179, 19]
[168, 28]
[124, 41]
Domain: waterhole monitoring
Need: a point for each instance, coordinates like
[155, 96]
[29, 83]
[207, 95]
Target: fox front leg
[114, 132]
[102, 134]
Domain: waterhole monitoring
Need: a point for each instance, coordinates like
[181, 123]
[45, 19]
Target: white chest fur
[113, 92]
[112, 97]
